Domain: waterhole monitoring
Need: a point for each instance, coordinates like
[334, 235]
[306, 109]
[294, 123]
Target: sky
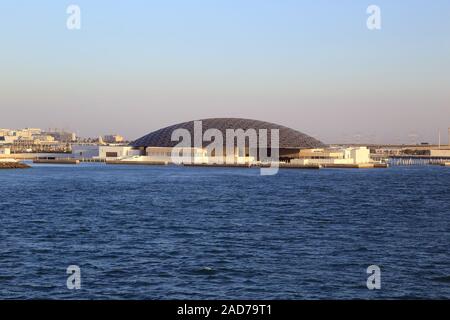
[137, 66]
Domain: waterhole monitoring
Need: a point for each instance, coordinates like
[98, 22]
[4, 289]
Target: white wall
[8, 139]
[85, 151]
[440, 153]
[5, 151]
[121, 151]
[193, 155]
[186, 155]
[360, 155]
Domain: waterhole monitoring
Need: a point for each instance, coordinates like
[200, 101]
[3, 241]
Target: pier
[97, 160]
[139, 163]
[56, 161]
[298, 166]
[417, 160]
[217, 165]
[357, 166]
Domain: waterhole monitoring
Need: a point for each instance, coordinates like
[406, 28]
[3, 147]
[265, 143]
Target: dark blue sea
[149, 232]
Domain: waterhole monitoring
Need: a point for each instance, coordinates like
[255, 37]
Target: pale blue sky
[136, 66]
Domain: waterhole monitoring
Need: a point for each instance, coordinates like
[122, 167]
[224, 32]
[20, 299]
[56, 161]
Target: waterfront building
[336, 156]
[31, 140]
[5, 140]
[111, 152]
[5, 151]
[183, 155]
[440, 153]
[85, 151]
[159, 144]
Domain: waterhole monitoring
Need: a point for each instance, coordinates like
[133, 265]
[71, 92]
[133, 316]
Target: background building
[114, 138]
[5, 151]
[62, 136]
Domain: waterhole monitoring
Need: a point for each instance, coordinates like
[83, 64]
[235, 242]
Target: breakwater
[13, 165]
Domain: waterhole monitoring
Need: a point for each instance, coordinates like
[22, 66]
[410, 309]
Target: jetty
[13, 165]
[356, 166]
[218, 165]
[139, 163]
[55, 161]
[300, 166]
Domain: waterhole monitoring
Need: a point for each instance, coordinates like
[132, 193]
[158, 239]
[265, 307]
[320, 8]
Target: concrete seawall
[138, 163]
[299, 166]
[356, 166]
[56, 161]
[215, 165]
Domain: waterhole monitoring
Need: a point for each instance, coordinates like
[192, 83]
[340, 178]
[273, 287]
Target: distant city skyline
[313, 66]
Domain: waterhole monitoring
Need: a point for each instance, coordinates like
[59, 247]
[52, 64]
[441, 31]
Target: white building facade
[117, 152]
[345, 156]
[5, 151]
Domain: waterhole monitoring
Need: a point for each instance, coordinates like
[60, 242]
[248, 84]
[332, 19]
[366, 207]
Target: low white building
[8, 139]
[437, 153]
[359, 155]
[117, 152]
[85, 151]
[345, 156]
[177, 155]
[193, 156]
[5, 151]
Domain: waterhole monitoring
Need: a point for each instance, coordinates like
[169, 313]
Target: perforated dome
[289, 138]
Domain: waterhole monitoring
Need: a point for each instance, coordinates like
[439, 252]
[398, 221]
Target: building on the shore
[35, 140]
[181, 155]
[335, 156]
[7, 140]
[115, 152]
[103, 152]
[85, 151]
[5, 151]
[159, 144]
[26, 133]
[440, 153]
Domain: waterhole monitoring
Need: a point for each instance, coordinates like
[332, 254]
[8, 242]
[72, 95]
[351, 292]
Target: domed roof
[289, 138]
